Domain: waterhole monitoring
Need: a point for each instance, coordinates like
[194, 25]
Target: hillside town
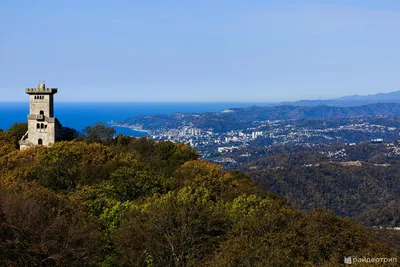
[212, 144]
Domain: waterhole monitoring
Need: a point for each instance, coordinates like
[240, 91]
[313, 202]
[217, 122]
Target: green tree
[18, 129]
[69, 134]
[99, 133]
[66, 165]
[129, 183]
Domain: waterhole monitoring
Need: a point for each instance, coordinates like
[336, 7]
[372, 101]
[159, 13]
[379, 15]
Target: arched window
[37, 125]
[41, 126]
[35, 97]
[41, 112]
[40, 142]
[45, 126]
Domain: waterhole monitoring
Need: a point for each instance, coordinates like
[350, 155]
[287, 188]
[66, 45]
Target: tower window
[37, 125]
[41, 112]
[45, 126]
[40, 142]
[41, 126]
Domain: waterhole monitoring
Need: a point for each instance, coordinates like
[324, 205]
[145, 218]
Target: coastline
[132, 127]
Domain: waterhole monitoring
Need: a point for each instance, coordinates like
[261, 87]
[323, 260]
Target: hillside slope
[135, 202]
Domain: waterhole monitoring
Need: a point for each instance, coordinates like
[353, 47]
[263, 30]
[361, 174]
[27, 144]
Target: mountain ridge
[351, 100]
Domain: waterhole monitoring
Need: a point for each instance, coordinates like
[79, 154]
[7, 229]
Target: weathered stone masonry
[43, 128]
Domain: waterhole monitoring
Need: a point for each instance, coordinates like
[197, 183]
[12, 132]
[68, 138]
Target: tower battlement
[41, 89]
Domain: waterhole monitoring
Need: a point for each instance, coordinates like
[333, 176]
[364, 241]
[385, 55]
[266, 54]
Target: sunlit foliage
[134, 202]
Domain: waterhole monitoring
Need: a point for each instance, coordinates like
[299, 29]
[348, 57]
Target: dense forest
[360, 181]
[100, 200]
[346, 190]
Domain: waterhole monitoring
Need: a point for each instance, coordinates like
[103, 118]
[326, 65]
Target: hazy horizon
[211, 101]
[200, 51]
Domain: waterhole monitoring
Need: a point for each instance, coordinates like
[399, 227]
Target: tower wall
[45, 105]
[43, 127]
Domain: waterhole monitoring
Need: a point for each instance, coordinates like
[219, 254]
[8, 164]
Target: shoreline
[137, 129]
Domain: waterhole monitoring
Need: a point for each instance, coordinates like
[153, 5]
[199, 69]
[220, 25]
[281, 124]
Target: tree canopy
[135, 202]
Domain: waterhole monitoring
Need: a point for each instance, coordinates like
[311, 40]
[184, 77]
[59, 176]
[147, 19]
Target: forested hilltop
[103, 201]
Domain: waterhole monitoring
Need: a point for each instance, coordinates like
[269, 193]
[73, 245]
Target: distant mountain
[353, 100]
[287, 112]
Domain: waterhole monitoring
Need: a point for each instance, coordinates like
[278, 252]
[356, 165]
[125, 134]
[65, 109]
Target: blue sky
[205, 50]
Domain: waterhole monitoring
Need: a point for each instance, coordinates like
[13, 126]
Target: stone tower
[43, 128]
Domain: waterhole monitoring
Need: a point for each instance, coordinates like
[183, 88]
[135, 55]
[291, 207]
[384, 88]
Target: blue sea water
[78, 115]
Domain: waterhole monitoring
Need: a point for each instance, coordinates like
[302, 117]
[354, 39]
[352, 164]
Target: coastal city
[217, 145]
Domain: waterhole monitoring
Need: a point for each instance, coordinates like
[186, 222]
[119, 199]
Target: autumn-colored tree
[267, 233]
[65, 165]
[50, 229]
[224, 185]
[6, 147]
[178, 229]
[135, 202]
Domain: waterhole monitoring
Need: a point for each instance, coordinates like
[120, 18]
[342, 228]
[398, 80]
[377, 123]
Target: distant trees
[98, 133]
[69, 134]
[388, 216]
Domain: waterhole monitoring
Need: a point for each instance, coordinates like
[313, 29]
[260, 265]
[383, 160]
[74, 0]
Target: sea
[78, 115]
